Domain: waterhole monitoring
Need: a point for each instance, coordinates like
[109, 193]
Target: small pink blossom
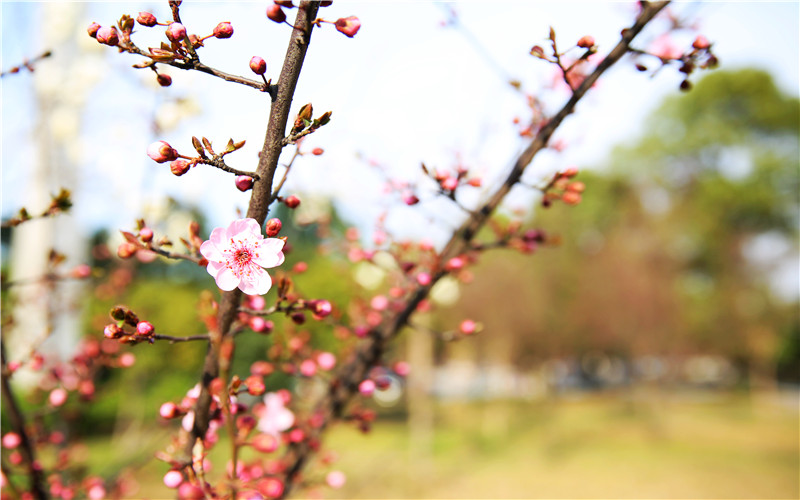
[275, 417]
[335, 479]
[308, 368]
[237, 255]
[366, 387]
[173, 479]
[58, 397]
[326, 360]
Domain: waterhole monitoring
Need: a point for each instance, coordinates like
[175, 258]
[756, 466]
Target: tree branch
[344, 385]
[258, 208]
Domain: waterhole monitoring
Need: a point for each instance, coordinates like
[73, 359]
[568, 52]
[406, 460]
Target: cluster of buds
[180, 48]
[305, 124]
[137, 331]
[449, 182]
[571, 70]
[348, 26]
[698, 56]
[562, 187]
[162, 152]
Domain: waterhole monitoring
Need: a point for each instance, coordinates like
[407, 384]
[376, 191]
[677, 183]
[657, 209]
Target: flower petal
[226, 280]
[243, 227]
[269, 253]
[258, 283]
[211, 251]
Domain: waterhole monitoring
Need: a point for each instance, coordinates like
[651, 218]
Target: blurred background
[654, 353]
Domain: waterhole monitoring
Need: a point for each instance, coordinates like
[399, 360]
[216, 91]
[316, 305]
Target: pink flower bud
[81, 271]
[173, 479]
[161, 152]
[127, 360]
[86, 389]
[262, 368]
[291, 201]
[577, 187]
[180, 166]
[326, 360]
[255, 385]
[402, 368]
[410, 198]
[144, 328]
[348, 25]
[317, 151]
[244, 183]
[108, 36]
[164, 80]
[265, 443]
[454, 264]
[92, 29]
[449, 183]
[146, 234]
[58, 396]
[424, 279]
[379, 303]
[296, 435]
[176, 32]
[273, 227]
[571, 198]
[570, 172]
[586, 42]
[258, 65]
[112, 331]
[126, 250]
[275, 13]
[335, 479]
[308, 368]
[189, 491]
[366, 387]
[321, 309]
[169, 410]
[146, 19]
[701, 43]
[468, 327]
[11, 440]
[270, 487]
[223, 30]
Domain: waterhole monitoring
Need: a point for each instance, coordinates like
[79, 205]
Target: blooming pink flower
[275, 417]
[237, 254]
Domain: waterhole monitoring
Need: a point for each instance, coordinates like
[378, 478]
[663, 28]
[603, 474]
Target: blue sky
[403, 91]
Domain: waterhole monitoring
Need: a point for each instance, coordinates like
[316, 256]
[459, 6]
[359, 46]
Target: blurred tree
[677, 246]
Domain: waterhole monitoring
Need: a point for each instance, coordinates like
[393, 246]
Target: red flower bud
[571, 198]
[291, 201]
[577, 187]
[144, 328]
[126, 250]
[258, 65]
[112, 331]
[255, 385]
[570, 172]
[265, 443]
[180, 166]
[586, 42]
[317, 151]
[108, 36]
[348, 25]
[273, 227]
[146, 234]
[146, 19]
[176, 32]
[244, 183]
[410, 198]
[223, 30]
[164, 80]
[701, 43]
[321, 309]
[449, 183]
[169, 410]
[468, 327]
[161, 152]
[275, 13]
[92, 30]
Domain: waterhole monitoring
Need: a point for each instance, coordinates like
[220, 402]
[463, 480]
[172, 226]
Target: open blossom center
[241, 257]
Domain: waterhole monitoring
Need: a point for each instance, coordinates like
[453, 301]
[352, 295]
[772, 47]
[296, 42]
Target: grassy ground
[629, 445]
